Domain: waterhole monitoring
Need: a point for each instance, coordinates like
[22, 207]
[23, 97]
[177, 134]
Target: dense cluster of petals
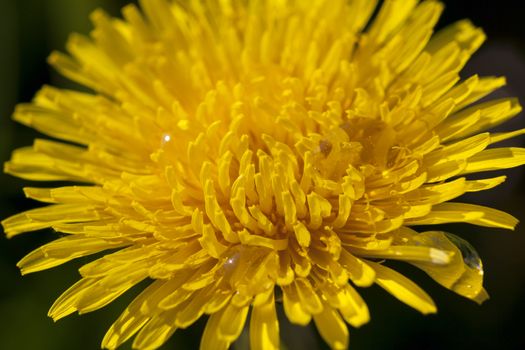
[238, 154]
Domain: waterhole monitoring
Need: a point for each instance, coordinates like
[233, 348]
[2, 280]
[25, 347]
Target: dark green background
[30, 29]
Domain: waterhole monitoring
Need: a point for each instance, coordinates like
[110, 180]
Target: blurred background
[31, 29]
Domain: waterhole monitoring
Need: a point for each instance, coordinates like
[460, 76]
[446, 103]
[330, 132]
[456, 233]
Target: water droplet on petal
[470, 255]
[166, 138]
[231, 262]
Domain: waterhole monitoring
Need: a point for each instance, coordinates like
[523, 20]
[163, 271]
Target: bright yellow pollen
[233, 151]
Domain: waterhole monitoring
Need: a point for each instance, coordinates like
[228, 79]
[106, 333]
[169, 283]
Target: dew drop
[470, 255]
[230, 263]
[166, 138]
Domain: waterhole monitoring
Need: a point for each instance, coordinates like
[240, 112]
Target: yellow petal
[154, 333]
[484, 116]
[403, 289]
[256, 240]
[359, 272]
[483, 87]
[194, 307]
[232, 322]
[264, 326]
[459, 150]
[409, 253]
[130, 321]
[495, 159]
[484, 184]
[469, 213]
[461, 35]
[308, 296]
[332, 328]
[104, 291]
[37, 219]
[63, 250]
[391, 15]
[211, 338]
[354, 310]
[502, 136]
[292, 307]
[66, 303]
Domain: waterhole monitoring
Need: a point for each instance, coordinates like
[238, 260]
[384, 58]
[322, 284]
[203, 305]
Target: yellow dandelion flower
[234, 153]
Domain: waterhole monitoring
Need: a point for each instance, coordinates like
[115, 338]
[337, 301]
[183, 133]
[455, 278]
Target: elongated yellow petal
[332, 328]
[360, 273]
[264, 327]
[210, 338]
[495, 159]
[232, 322]
[63, 250]
[37, 219]
[484, 184]
[484, 116]
[408, 253]
[391, 15]
[470, 213]
[295, 312]
[502, 136]
[130, 321]
[354, 310]
[153, 334]
[403, 288]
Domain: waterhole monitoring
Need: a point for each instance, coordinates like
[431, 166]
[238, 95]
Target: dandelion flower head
[240, 154]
